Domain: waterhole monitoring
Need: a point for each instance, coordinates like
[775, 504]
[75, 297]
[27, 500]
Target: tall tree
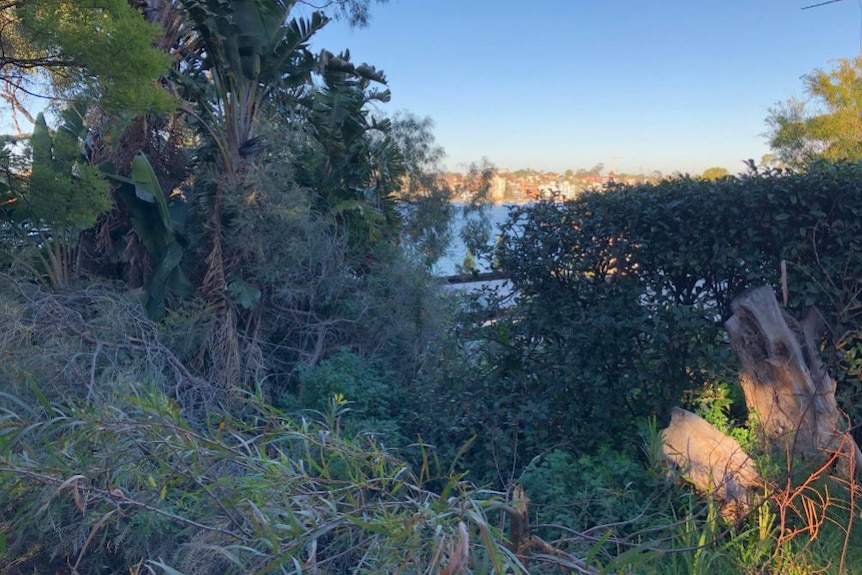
[828, 124]
[102, 48]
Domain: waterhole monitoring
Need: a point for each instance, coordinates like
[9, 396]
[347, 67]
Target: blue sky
[557, 84]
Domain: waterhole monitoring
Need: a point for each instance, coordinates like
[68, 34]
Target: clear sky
[557, 84]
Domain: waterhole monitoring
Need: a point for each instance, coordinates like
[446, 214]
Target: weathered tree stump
[787, 388]
[790, 397]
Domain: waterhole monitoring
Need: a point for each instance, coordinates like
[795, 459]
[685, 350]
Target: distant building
[567, 190]
[498, 188]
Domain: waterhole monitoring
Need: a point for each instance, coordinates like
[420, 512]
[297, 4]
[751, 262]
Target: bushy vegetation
[632, 284]
[124, 482]
[621, 296]
[223, 350]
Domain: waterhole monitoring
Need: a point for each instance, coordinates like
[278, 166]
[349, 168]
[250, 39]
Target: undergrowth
[124, 484]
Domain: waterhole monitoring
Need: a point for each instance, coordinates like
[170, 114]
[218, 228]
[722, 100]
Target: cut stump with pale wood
[790, 398]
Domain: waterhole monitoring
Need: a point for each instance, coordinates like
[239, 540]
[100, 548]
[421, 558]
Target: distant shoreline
[498, 202]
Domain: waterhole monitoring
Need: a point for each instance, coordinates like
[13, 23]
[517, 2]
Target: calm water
[497, 214]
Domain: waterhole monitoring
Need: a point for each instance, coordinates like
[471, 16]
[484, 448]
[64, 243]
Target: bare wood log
[712, 461]
[787, 387]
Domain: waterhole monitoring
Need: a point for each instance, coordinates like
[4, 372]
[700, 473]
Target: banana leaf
[153, 221]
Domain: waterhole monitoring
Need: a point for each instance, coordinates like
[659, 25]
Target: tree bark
[787, 388]
[790, 398]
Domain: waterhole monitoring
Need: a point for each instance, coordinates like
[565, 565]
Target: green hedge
[623, 291]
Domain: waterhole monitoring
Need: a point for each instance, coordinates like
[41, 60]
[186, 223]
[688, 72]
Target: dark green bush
[609, 491]
[372, 394]
[623, 292]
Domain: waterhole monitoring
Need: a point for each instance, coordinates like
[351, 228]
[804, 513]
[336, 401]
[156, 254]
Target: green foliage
[604, 493]
[480, 406]
[372, 394]
[424, 199]
[468, 265]
[314, 299]
[621, 292]
[125, 482]
[716, 401]
[355, 168]
[63, 196]
[157, 220]
[246, 54]
[833, 131]
[356, 12]
[65, 193]
[111, 45]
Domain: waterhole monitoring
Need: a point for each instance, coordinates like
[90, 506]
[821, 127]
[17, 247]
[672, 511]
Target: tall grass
[124, 484]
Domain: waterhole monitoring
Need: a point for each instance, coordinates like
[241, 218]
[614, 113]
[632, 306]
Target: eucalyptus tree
[828, 124]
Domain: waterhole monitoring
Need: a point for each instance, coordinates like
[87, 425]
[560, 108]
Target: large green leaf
[167, 274]
[143, 197]
[153, 222]
[40, 144]
[243, 293]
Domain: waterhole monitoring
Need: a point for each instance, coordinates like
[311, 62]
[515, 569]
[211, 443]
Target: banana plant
[158, 222]
[65, 195]
[236, 54]
[243, 51]
[360, 167]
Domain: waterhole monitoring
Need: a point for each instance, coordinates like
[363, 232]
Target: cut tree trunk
[790, 398]
[787, 388]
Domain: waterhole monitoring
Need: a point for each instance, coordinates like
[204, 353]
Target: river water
[454, 256]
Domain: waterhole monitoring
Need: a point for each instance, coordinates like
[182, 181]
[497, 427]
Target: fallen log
[712, 461]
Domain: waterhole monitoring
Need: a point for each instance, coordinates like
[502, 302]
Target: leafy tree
[243, 52]
[103, 48]
[62, 197]
[424, 197]
[714, 173]
[828, 124]
[358, 168]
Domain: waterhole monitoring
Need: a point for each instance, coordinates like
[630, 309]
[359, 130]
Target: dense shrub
[623, 292]
[607, 492]
[475, 404]
[372, 394]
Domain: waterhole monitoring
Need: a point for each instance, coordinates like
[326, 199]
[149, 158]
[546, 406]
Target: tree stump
[787, 388]
[790, 397]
